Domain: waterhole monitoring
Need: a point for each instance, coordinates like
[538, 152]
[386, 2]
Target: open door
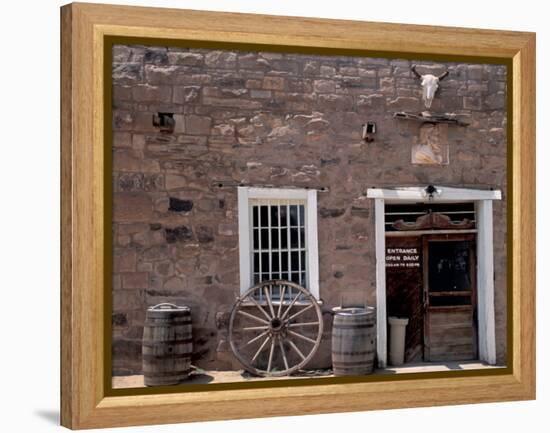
[450, 324]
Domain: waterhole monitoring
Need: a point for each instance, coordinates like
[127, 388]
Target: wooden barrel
[353, 341]
[167, 345]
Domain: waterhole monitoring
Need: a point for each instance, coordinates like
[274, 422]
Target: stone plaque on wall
[432, 147]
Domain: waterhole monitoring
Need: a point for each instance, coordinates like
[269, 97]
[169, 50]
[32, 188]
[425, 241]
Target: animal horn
[443, 75]
[415, 72]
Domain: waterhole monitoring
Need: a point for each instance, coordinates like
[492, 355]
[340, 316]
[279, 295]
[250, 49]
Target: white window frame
[309, 197]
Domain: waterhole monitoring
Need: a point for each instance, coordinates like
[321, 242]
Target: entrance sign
[402, 258]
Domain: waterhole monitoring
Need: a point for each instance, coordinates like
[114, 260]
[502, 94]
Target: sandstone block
[175, 181]
[273, 83]
[186, 94]
[127, 73]
[122, 93]
[160, 74]
[197, 125]
[135, 280]
[260, 94]
[360, 212]
[253, 84]
[243, 104]
[496, 101]
[185, 58]
[324, 86]
[327, 71]
[221, 59]
[472, 103]
[226, 229]
[311, 68]
[122, 139]
[148, 93]
[253, 61]
[404, 103]
[124, 260]
[475, 72]
[132, 207]
[164, 268]
[131, 161]
[331, 213]
[225, 130]
[205, 234]
[334, 102]
[140, 182]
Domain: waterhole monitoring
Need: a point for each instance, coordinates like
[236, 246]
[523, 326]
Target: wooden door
[450, 325]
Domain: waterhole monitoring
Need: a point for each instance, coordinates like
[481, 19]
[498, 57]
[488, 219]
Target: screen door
[450, 325]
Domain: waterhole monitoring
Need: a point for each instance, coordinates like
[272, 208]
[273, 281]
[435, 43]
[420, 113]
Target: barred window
[279, 243]
[278, 237]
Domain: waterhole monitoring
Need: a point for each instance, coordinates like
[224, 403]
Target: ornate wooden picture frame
[88, 34]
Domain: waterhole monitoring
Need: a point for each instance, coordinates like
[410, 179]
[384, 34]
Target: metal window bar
[270, 246]
[260, 258]
[280, 245]
[288, 246]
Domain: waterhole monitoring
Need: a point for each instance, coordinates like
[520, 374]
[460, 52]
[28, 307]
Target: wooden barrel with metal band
[353, 341]
[167, 344]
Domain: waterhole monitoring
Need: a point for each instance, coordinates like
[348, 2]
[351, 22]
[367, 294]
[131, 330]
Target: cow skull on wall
[430, 84]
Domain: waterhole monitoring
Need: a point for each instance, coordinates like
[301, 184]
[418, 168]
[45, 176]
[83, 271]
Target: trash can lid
[398, 320]
[166, 306]
[352, 311]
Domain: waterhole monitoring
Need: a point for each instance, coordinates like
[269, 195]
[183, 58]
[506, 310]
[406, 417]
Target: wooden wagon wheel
[275, 328]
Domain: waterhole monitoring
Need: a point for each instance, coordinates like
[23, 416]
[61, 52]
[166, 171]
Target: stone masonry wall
[283, 120]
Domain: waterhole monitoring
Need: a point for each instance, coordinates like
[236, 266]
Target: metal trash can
[398, 327]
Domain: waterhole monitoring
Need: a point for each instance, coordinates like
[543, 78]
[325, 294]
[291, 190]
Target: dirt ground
[199, 376]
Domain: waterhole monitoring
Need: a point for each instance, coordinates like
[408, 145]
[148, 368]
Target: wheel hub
[276, 324]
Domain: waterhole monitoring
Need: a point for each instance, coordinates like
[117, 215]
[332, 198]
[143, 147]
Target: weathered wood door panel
[450, 325]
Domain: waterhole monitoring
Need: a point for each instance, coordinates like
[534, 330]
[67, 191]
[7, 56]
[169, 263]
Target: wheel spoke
[255, 328]
[291, 305]
[261, 348]
[251, 316]
[297, 325]
[259, 306]
[267, 295]
[257, 337]
[283, 353]
[270, 355]
[303, 337]
[281, 300]
[309, 307]
[296, 350]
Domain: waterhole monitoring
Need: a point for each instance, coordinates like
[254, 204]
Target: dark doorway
[404, 290]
